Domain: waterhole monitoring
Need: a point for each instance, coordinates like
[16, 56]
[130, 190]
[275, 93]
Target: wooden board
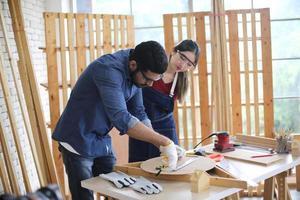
[245, 155]
[201, 163]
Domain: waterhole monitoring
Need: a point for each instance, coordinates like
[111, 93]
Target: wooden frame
[72, 42]
[242, 72]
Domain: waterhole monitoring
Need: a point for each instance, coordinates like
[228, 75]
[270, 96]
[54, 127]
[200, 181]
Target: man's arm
[144, 133]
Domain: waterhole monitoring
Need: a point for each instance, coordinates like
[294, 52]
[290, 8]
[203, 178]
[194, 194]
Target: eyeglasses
[185, 59]
[147, 79]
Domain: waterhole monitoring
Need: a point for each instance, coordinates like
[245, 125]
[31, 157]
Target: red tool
[222, 144]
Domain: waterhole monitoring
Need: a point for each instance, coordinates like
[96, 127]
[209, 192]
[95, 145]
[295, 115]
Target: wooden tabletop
[251, 172]
[171, 190]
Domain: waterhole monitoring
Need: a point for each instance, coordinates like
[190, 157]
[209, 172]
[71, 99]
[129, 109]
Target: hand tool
[260, 156]
[185, 163]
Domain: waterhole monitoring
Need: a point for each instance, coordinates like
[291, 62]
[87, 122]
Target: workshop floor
[294, 193]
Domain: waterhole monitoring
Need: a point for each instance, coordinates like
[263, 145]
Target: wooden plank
[255, 74]
[13, 125]
[247, 82]
[203, 80]
[4, 177]
[107, 48]
[168, 33]
[130, 31]
[179, 27]
[192, 87]
[23, 108]
[64, 77]
[98, 35]
[53, 89]
[227, 182]
[169, 44]
[9, 162]
[91, 37]
[122, 29]
[30, 85]
[80, 43]
[267, 73]
[269, 188]
[72, 67]
[235, 73]
[116, 32]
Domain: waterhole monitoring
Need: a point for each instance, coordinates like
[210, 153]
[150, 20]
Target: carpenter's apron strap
[173, 85]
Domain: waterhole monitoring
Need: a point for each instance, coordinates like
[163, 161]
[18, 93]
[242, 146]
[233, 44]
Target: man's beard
[133, 78]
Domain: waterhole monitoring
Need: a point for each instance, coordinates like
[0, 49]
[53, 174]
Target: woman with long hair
[160, 97]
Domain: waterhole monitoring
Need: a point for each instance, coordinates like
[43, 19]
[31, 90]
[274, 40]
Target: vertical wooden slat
[91, 37]
[116, 32]
[122, 29]
[191, 74]
[202, 73]
[70, 24]
[247, 83]
[24, 111]
[169, 44]
[63, 59]
[235, 73]
[80, 43]
[107, 34]
[184, 107]
[168, 33]
[98, 35]
[255, 73]
[267, 73]
[130, 31]
[53, 85]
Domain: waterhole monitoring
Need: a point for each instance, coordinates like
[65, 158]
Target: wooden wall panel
[242, 70]
[72, 42]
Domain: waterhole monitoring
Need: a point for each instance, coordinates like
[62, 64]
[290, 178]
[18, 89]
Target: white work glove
[120, 179]
[169, 156]
[180, 151]
[145, 186]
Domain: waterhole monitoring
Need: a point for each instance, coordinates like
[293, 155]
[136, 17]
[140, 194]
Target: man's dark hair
[150, 56]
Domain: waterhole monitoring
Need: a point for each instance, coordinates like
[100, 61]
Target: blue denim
[103, 97]
[79, 168]
[159, 108]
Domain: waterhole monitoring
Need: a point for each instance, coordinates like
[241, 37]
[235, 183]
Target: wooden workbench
[251, 172]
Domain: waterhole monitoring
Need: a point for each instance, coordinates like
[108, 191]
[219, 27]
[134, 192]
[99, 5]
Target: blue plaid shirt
[103, 97]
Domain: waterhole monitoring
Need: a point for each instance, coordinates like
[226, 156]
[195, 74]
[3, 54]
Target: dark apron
[159, 108]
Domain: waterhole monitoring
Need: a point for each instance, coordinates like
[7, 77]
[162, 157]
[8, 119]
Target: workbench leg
[282, 186]
[289, 197]
[298, 177]
[269, 189]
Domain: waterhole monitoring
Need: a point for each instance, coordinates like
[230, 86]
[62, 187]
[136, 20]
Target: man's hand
[169, 155]
[180, 151]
